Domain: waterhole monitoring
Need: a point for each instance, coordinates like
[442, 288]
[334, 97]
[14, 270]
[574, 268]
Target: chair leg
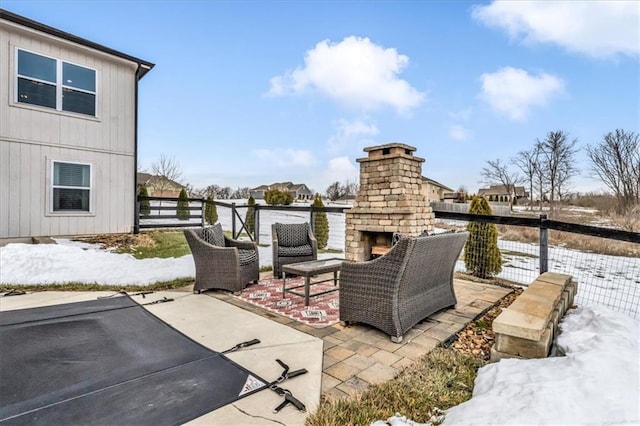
[396, 339]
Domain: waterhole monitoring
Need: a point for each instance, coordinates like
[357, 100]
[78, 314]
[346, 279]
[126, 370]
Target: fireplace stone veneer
[390, 200]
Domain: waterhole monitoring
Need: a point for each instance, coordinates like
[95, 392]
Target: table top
[313, 267]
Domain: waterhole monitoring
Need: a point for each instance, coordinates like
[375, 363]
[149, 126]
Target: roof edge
[145, 66]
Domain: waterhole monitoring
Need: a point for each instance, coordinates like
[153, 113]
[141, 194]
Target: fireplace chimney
[390, 200]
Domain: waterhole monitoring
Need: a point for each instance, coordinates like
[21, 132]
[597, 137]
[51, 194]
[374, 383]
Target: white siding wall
[30, 137]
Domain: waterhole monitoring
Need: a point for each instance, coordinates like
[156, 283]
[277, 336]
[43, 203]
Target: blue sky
[253, 92]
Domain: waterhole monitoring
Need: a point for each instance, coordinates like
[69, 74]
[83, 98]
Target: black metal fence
[605, 262]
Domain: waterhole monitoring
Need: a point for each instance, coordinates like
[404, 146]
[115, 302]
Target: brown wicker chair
[292, 243]
[221, 262]
[398, 290]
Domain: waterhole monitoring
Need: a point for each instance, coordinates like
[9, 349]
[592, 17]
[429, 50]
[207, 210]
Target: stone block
[555, 319]
[572, 289]
[555, 278]
[526, 348]
[526, 318]
[548, 292]
[497, 355]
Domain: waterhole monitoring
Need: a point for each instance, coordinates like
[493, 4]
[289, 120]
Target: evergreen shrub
[145, 206]
[320, 223]
[210, 211]
[249, 219]
[482, 257]
[275, 197]
[182, 208]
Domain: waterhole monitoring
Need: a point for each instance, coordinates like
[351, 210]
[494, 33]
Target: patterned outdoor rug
[321, 312]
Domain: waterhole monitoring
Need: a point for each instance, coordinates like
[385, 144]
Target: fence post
[256, 225]
[136, 219]
[203, 207]
[311, 221]
[544, 244]
[233, 220]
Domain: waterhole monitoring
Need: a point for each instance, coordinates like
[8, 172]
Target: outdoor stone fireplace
[390, 200]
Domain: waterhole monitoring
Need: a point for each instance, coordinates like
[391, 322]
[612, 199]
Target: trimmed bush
[210, 211]
[145, 206]
[275, 197]
[482, 257]
[182, 211]
[249, 219]
[320, 223]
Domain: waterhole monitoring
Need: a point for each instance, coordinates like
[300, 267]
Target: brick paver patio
[358, 355]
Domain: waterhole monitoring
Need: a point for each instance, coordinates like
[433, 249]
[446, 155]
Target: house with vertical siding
[68, 132]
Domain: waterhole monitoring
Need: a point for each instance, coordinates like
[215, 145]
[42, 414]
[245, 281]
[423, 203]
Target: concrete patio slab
[220, 326]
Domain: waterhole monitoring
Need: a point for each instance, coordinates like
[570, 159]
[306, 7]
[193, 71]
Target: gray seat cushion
[304, 250]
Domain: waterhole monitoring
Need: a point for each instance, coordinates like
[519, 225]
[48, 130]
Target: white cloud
[595, 28]
[285, 157]
[348, 133]
[459, 133]
[340, 169]
[354, 72]
[513, 91]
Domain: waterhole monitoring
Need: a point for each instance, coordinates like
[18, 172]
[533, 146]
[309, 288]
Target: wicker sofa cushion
[247, 256]
[214, 235]
[292, 235]
[303, 250]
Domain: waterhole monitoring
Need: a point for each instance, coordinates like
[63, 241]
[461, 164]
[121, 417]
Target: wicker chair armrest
[247, 245]
[314, 241]
[208, 252]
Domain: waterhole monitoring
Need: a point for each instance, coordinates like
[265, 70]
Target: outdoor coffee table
[309, 270]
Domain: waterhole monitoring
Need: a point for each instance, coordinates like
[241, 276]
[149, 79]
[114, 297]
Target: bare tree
[527, 162]
[333, 191]
[498, 172]
[339, 190]
[616, 161]
[557, 163]
[168, 171]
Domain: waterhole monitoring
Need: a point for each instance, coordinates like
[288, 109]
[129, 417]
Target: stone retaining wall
[526, 329]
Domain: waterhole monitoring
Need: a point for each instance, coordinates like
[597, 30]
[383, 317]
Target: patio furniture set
[392, 292]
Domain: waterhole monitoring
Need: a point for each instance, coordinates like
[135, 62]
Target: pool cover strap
[109, 361]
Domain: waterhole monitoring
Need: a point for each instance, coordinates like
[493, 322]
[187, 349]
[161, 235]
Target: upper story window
[54, 83]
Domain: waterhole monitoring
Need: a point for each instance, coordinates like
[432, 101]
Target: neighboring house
[501, 192]
[299, 191]
[434, 190]
[159, 186]
[68, 132]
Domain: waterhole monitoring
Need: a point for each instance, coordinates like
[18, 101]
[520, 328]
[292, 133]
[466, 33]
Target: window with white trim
[71, 187]
[53, 83]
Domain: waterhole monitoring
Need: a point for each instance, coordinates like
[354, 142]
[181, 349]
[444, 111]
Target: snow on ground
[597, 382]
[71, 261]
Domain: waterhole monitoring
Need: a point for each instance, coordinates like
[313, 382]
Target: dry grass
[570, 240]
[442, 379]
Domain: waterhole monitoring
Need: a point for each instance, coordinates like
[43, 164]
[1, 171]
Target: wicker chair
[292, 243]
[398, 290]
[221, 262]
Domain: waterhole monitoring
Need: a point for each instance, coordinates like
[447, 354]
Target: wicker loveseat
[396, 291]
[221, 262]
[292, 243]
